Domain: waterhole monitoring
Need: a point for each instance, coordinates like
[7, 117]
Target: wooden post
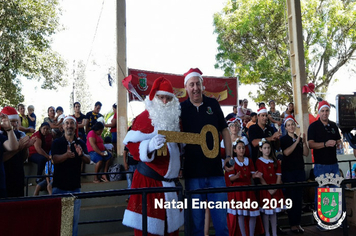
[121, 73]
[298, 66]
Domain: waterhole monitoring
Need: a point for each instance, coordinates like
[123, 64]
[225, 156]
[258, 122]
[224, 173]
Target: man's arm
[83, 124]
[227, 142]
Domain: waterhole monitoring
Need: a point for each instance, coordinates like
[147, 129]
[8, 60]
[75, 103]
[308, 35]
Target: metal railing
[187, 194]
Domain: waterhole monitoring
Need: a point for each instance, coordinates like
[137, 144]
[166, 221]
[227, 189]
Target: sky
[165, 36]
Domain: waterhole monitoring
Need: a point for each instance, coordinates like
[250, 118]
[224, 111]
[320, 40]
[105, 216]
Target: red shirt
[46, 144]
[113, 129]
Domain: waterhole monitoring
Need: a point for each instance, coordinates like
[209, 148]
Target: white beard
[164, 116]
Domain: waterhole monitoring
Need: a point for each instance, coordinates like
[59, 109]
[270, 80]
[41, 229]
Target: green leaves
[253, 43]
[26, 27]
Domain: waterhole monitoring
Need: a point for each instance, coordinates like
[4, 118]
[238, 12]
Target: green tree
[253, 43]
[26, 27]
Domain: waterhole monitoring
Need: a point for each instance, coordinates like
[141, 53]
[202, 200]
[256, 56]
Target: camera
[346, 116]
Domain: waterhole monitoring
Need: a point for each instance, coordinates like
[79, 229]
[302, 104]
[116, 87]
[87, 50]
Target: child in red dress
[271, 174]
[240, 175]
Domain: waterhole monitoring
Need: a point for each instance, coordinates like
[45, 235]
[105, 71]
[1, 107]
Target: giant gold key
[192, 138]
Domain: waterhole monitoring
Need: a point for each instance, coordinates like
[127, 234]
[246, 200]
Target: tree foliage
[26, 27]
[81, 91]
[253, 43]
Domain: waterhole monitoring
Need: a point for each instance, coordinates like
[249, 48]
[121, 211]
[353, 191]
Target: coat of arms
[329, 215]
[142, 82]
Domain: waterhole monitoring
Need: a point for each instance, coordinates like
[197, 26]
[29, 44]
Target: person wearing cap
[13, 160]
[113, 128]
[198, 170]
[92, 117]
[68, 153]
[8, 143]
[294, 147]
[324, 138]
[262, 130]
[39, 152]
[153, 170]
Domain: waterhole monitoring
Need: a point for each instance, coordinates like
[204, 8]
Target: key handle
[192, 138]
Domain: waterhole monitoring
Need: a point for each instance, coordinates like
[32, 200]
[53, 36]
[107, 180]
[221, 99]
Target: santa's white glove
[156, 142]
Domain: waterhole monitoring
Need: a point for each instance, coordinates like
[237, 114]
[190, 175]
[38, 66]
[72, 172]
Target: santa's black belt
[149, 172]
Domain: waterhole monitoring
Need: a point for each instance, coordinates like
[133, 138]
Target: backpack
[116, 168]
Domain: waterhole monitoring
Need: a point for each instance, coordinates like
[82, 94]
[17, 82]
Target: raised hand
[5, 122]
[69, 153]
[78, 149]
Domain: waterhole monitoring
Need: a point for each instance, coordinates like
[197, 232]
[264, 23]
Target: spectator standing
[241, 175]
[162, 113]
[294, 147]
[81, 121]
[6, 144]
[113, 129]
[92, 117]
[324, 138]
[261, 130]
[270, 168]
[199, 171]
[68, 154]
[13, 160]
[24, 121]
[274, 116]
[288, 112]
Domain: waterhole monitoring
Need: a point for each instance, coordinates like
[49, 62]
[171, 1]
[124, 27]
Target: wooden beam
[298, 65]
[121, 73]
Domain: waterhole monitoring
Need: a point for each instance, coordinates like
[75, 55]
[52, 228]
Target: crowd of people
[249, 145]
[247, 155]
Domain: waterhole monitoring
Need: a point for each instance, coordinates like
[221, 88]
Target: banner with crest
[223, 89]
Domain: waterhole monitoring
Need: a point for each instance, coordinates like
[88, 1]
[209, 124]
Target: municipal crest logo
[329, 214]
[142, 82]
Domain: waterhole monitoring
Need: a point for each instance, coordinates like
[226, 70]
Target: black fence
[186, 194]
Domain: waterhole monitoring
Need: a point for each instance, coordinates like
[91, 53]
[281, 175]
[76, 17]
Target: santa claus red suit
[154, 170]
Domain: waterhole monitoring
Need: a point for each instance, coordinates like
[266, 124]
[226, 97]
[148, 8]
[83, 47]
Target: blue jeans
[77, 204]
[218, 215]
[95, 157]
[40, 160]
[320, 169]
[130, 175]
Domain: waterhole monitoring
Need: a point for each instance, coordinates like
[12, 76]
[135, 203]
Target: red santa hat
[323, 104]
[290, 117]
[261, 110]
[234, 120]
[191, 73]
[161, 86]
[10, 112]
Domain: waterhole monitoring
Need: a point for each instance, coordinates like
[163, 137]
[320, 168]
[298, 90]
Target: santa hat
[234, 120]
[290, 117]
[191, 73]
[10, 112]
[68, 118]
[161, 86]
[261, 110]
[323, 104]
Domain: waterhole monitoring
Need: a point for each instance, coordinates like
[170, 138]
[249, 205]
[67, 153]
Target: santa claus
[162, 113]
